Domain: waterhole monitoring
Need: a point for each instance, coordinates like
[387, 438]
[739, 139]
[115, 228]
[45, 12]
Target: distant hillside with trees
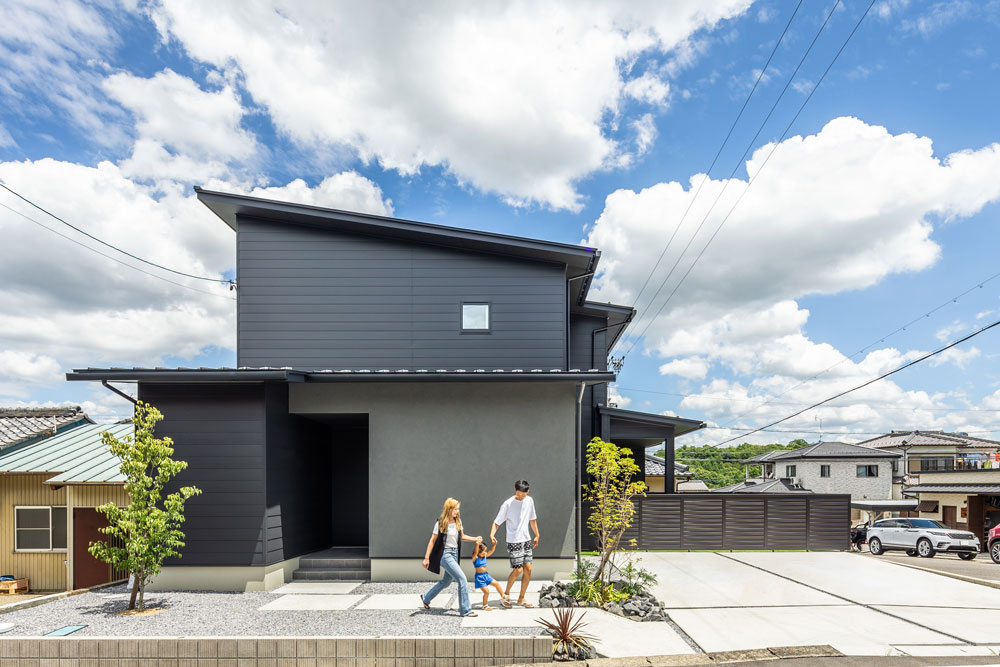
[720, 466]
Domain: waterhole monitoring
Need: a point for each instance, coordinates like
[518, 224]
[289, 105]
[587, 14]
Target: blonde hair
[449, 505]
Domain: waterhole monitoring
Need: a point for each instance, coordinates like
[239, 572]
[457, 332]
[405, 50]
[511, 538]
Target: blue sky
[567, 121]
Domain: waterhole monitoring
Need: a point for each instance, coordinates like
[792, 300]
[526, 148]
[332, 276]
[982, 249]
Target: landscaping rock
[640, 607]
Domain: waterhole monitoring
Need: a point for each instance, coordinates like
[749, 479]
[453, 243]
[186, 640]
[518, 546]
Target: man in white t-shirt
[516, 514]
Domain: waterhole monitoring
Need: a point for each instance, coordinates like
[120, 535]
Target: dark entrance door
[948, 517]
[350, 481]
[87, 570]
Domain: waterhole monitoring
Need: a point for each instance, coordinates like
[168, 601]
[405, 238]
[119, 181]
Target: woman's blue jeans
[452, 572]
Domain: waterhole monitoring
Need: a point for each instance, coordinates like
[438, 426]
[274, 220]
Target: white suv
[921, 537]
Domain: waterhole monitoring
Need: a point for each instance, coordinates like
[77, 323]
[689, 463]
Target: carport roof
[884, 505]
[988, 488]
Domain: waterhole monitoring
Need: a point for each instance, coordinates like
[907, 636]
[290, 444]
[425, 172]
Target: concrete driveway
[857, 604]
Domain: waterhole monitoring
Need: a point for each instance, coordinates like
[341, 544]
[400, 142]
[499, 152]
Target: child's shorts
[483, 579]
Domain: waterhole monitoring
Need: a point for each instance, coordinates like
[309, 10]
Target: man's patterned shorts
[519, 552]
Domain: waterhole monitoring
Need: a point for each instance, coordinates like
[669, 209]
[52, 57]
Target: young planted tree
[610, 492]
[147, 531]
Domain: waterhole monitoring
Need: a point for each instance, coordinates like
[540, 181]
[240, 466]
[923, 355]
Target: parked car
[921, 537]
[993, 542]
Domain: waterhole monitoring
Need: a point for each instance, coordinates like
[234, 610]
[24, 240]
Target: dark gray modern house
[384, 365]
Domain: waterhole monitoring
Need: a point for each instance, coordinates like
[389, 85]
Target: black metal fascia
[588, 378]
[192, 376]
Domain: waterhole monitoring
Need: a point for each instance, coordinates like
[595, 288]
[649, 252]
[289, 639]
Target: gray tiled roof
[823, 450]
[917, 438]
[656, 466]
[19, 425]
[761, 486]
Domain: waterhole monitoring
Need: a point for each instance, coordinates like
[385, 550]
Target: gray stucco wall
[843, 477]
[467, 440]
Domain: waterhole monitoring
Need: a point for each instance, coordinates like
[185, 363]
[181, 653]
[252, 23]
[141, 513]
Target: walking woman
[443, 551]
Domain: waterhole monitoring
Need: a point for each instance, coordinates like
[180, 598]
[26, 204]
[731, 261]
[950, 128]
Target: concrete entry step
[330, 574]
[334, 564]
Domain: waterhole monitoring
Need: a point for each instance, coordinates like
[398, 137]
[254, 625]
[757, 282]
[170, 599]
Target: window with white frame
[39, 528]
[868, 471]
[476, 317]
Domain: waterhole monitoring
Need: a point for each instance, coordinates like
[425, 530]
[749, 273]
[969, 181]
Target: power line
[753, 178]
[708, 171]
[113, 259]
[884, 406]
[105, 243]
[930, 312]
[908, 364]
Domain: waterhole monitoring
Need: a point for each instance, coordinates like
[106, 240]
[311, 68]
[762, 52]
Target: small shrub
[634, 579]
[570, 642]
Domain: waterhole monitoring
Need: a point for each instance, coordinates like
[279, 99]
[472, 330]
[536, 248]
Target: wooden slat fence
[693, 521]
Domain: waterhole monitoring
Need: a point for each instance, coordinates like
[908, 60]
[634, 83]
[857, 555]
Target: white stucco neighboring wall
[843, 477]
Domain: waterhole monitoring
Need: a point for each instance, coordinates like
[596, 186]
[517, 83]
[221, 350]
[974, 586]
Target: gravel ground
[209, 613]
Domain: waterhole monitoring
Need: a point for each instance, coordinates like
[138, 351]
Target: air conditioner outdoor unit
[796, 481]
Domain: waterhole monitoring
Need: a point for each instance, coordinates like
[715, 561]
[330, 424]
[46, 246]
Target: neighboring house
[383, 365]
[967, 499]
[23, 425]
[655, 471]
[758, 485]
[48, 491]
[832, 467]
[934, 451]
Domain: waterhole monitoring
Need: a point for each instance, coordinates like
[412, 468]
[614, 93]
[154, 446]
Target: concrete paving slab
[939, 651]
[710, 580]
[314, 602]
[317, 587]
[617, 637]
[852, 630]
[871, 581]
[477, 599]
[978, 626]
[401, 601]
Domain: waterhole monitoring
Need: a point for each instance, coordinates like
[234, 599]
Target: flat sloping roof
[885, 505]
[76, 456]
[19, 425]
[579, 260]
[681, 425]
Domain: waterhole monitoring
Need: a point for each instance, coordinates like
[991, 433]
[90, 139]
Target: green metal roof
[77, 456]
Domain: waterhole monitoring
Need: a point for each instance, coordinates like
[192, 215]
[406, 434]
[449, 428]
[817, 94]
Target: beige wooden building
[964, 499]
[49, 490]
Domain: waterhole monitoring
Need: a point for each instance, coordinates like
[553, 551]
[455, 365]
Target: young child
[483, 578]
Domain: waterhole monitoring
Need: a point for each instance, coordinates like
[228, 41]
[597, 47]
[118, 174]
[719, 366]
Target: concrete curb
[961, 577]
[718, 658]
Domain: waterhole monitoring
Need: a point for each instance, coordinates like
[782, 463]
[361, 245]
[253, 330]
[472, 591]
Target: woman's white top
[451, 537]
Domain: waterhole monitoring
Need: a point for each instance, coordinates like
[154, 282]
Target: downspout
[119, 392]
[576, 467]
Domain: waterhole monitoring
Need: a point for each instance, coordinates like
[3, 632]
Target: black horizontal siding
[220, 431]
[316, 299]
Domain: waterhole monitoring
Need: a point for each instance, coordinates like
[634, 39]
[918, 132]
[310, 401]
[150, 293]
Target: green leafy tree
[720, 466]
[146, 531]
[610, 492]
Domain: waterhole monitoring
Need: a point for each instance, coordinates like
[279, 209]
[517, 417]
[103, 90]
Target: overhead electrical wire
[908, 364]
[708, 171]
[223, 281]
[114, 259]
[899, 329]
[753, 178]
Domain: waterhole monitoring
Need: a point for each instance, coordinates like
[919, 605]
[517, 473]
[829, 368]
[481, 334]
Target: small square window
[824, 471]
[789, 471]
[40, 528]
[867, 471]
[475, 317]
